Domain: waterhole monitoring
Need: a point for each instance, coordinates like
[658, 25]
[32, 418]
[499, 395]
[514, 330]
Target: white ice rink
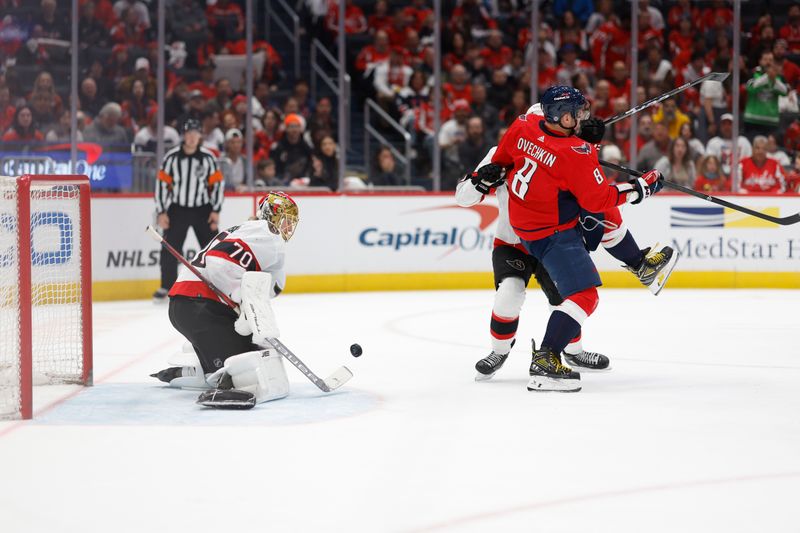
[696, 428]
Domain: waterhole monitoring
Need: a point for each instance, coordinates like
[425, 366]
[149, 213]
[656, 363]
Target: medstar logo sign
[718, 217]
[450, 238]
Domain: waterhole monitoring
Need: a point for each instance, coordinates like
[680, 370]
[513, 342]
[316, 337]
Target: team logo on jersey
[541, 139]
[516, 264]
[584, 149]
[718, 217]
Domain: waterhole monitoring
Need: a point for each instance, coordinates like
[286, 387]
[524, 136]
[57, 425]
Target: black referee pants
[180, 220]
[208, 325]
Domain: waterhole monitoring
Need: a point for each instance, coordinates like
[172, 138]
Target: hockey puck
[355, 350]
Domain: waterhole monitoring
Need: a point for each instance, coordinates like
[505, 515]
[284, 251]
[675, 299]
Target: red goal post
[45, 287]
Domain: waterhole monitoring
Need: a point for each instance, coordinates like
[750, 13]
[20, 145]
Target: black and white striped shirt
[189, 180]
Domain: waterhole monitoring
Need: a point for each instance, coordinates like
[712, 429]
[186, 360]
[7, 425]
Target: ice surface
[697, 427]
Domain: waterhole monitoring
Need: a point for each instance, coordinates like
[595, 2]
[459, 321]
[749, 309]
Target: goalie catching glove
[488, 177]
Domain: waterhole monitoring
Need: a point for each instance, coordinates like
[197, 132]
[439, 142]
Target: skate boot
[549, 374]
[656, 267]
[490, 364]
[588, 361]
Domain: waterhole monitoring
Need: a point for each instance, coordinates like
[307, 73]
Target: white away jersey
[249, 247]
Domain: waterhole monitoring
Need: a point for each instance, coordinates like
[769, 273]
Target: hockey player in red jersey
[606, 228]
[246, 263]
[552, 176]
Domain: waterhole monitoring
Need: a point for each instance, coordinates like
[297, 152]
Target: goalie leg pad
[260, 373]
[227, 399]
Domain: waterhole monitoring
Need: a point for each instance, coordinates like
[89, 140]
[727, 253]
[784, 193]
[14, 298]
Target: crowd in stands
[487, 53]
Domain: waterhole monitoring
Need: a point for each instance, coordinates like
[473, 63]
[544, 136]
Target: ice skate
[549, 374]
[656, 267]
[588, 361]
[489, 365]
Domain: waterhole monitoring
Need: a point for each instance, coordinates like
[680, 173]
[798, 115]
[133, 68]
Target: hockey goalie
[225, 354]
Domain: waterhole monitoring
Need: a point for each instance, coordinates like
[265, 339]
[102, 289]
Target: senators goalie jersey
[249, 247]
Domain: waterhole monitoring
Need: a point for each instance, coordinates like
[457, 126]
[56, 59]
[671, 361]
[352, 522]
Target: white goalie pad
[260, 373]
[256, 312]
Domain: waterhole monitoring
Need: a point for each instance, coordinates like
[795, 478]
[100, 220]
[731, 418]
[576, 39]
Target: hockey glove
[487, 177]
[592, 130]
[647, 185]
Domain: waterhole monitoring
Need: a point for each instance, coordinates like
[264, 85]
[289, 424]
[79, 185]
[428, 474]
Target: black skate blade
[168, 374]
[227, 399]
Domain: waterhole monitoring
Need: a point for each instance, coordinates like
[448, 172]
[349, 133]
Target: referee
[189, 192]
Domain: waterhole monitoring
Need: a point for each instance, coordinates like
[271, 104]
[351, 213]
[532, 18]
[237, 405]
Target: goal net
[45, 287]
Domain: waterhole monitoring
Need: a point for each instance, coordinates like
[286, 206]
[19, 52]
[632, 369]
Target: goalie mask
[281, 212]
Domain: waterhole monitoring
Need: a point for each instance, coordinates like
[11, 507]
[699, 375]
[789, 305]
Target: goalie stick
[783, 221]
[711, 76]
[339, 377]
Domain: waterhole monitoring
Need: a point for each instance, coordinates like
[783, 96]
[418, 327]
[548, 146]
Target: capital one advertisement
[362, 234]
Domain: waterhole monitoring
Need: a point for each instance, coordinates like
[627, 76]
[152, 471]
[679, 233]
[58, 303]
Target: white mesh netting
[55, 300]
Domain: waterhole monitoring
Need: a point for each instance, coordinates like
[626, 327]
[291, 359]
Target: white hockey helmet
[281, 212]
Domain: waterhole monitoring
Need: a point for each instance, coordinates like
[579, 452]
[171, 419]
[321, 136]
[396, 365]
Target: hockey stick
[712, 76]
[783, 221]
[339, 377]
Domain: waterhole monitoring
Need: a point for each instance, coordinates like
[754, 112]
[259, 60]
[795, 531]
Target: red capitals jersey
[766, 178]
[551, 179]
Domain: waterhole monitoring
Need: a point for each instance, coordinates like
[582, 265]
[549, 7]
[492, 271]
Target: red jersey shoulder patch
[584, 149]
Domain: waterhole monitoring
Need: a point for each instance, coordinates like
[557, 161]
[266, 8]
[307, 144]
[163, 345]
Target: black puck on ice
[355, 350]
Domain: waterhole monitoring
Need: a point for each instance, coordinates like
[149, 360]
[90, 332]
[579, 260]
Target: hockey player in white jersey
[513, 267]
[246, 262]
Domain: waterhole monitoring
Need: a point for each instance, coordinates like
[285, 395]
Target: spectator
[106, 131]
[226, 20]
[454, 130]
[136, 108]
[325, 165]
[291, 153]
[611, 43]
[397, 30]
[474, 148]
[500, 90]
[774, 151]
[205, 84]
[601, 105]
[52, 24]
[188, 23]
[495, 53]
[518, 106]
[671, 116]
[129, 30]
[761, 114]
[196, 107]
[138, 7]
[677, 165]
[722, 146]
[790, 31]
[457, 54]
[570, 32]
[391, 77]
[471, 17]
[380, 17]
[212, 137]
[386, 175]
[60, 132]
[571, 66]
[710, 178]
[271, 132]
[230, 120]
[44, 85]
[266, 175]
[22, 132]
[233, 163]
[44, 110]
[418, 11]
[655, 149]
[416, 112]
[793, 179]
[90, 101]
[146, 139]
[696, 148]
[224, 94]
[7, 111]
[656, 69]
[582, 8]
[141, 73]
[612, 154]
[483, 109]
[605, 8]
[322, 122]
[788, 69]
[760, 173]
[176, 104]
[372, 55]
[459, 87]
[354, 20]
[91, 32]
[301, 93]
[713, 102]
